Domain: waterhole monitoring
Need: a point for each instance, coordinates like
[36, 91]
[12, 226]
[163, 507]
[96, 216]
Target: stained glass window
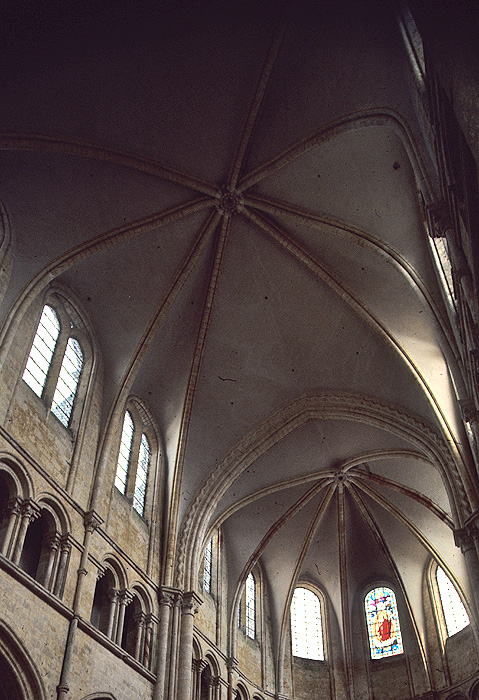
[41, 353]
[207, 567]
[124, 454]
[142, 475]
[67, 383]
[306, 628]
[383, 623]
[250, 606]
[455, 615]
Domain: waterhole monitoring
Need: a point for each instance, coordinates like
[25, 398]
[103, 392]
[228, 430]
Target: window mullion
[133, 464]
[55, 366]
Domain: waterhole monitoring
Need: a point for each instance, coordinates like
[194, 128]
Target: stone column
[113, 597]
[189, 608]
[139, 620]
[91, 521]
[52, 542]
[198, 666]
[65, 549]
[29, 512]
[124, 599]
[215, 688]
[464, 538]
[232, 665]
[166, 601]
[150, 621]
[174, 639]
[14, 510]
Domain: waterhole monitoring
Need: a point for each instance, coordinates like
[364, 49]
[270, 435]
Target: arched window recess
[59, 361]
[451, 613]
[382, 620]
[307, 624]
[137, 457]
[250, 609]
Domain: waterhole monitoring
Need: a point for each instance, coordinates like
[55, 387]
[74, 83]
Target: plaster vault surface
[236, 206]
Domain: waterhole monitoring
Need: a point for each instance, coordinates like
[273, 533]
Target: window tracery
[134, 457]
[57, 359]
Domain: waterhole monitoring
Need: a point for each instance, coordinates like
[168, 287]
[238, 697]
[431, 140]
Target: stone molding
[328, 405]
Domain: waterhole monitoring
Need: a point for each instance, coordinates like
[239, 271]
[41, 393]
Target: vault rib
[310, 533]
[151, 330]
[261, 88]
[338, 228]
[344, 591]
[351, 122]
[409, 492]
[332, 281]
[392, 510]
[85, 250]
[171, 528]
[85, 149]
[374, 528]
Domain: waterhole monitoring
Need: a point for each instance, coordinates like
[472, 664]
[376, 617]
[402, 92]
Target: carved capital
[112, 594]
[139, 618]
[65, 543]
[199, 665]
[191, 603]
[464, 538]
[151, 619]
[52, 540]
[468, 410]
[14, 506]
[92, 520]
[166, 596]
[440, 219]
[231, 663]
[125, 597]
[30, 510]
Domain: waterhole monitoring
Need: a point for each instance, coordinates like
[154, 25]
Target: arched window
[383, 623]
[306, 627]
[134, 457]
[142, 475]
[250, 606]
[207, 570]
[57, 359]
[41, 353]
[44, 552]
[124, 453]
[455, 615]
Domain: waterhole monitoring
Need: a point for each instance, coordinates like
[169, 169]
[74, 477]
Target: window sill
[115, 649]
[35, 587]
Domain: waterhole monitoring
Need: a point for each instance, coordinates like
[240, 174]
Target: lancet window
[383, 623]
[208, 565]
[455, 614]
[57, 359]
[306, 625]
[134, 456]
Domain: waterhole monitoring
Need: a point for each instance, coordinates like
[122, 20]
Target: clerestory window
[250, 606]
[56, 360]
[306, 625]
[383, 623]
[455, 614]
[134, 459]
[207, 570]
